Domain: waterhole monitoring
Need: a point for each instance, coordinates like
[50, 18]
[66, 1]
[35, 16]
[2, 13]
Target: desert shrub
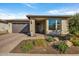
[62, 47]
[40, 42]
[75, 41]
[74, 24]
[66, 37]
[27, 46]
[49, 39]
[77, 33]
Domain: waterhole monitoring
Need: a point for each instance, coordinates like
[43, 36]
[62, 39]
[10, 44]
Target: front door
[39, 27]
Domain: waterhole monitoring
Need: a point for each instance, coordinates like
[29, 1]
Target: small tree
[74, 24]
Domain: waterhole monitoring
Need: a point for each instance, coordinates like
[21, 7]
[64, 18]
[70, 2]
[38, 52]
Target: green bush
[62, 47]
[40, 42]
[77, 33]
[27, 46]
[49, 39]
[74, 24]
[75, 41]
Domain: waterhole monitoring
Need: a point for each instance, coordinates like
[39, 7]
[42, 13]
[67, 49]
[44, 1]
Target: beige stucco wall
[65, 26]
[9, 27]
[3, 27]
[32, 27]
[6, 27]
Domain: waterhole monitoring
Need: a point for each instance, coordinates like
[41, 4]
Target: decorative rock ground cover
[42, 46]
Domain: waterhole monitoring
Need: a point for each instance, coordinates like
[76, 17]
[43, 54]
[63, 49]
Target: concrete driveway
[9, 41]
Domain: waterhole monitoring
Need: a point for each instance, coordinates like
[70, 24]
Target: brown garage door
[20, 28]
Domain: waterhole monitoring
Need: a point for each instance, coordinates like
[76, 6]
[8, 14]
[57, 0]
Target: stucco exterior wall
[9, 27]
[3, 27]
[32, 27]
[64, 27]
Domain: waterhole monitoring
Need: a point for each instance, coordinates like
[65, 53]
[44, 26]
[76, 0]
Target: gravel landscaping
[45, 50]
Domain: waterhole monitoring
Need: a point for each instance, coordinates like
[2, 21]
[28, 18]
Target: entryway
[40, 27]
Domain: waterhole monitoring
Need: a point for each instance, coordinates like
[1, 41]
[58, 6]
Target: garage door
[20, 28]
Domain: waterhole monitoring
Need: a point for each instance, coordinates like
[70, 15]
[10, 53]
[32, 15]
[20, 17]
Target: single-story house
[43, 24]
[48, 24]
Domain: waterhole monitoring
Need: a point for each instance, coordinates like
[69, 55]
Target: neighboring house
[43, 24]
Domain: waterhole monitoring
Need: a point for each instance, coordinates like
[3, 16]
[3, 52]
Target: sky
[20, 10]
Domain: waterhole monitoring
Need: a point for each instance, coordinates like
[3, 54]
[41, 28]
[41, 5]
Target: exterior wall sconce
[31, 22]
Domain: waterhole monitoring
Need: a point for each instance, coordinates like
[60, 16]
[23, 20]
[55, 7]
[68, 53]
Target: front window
[54, 24]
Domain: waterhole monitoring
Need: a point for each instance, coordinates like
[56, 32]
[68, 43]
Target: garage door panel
[20, 28]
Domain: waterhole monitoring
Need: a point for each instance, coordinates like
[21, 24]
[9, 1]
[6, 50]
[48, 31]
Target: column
[47, 26]
[56, 25]
[32, 27]
[10, 28]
